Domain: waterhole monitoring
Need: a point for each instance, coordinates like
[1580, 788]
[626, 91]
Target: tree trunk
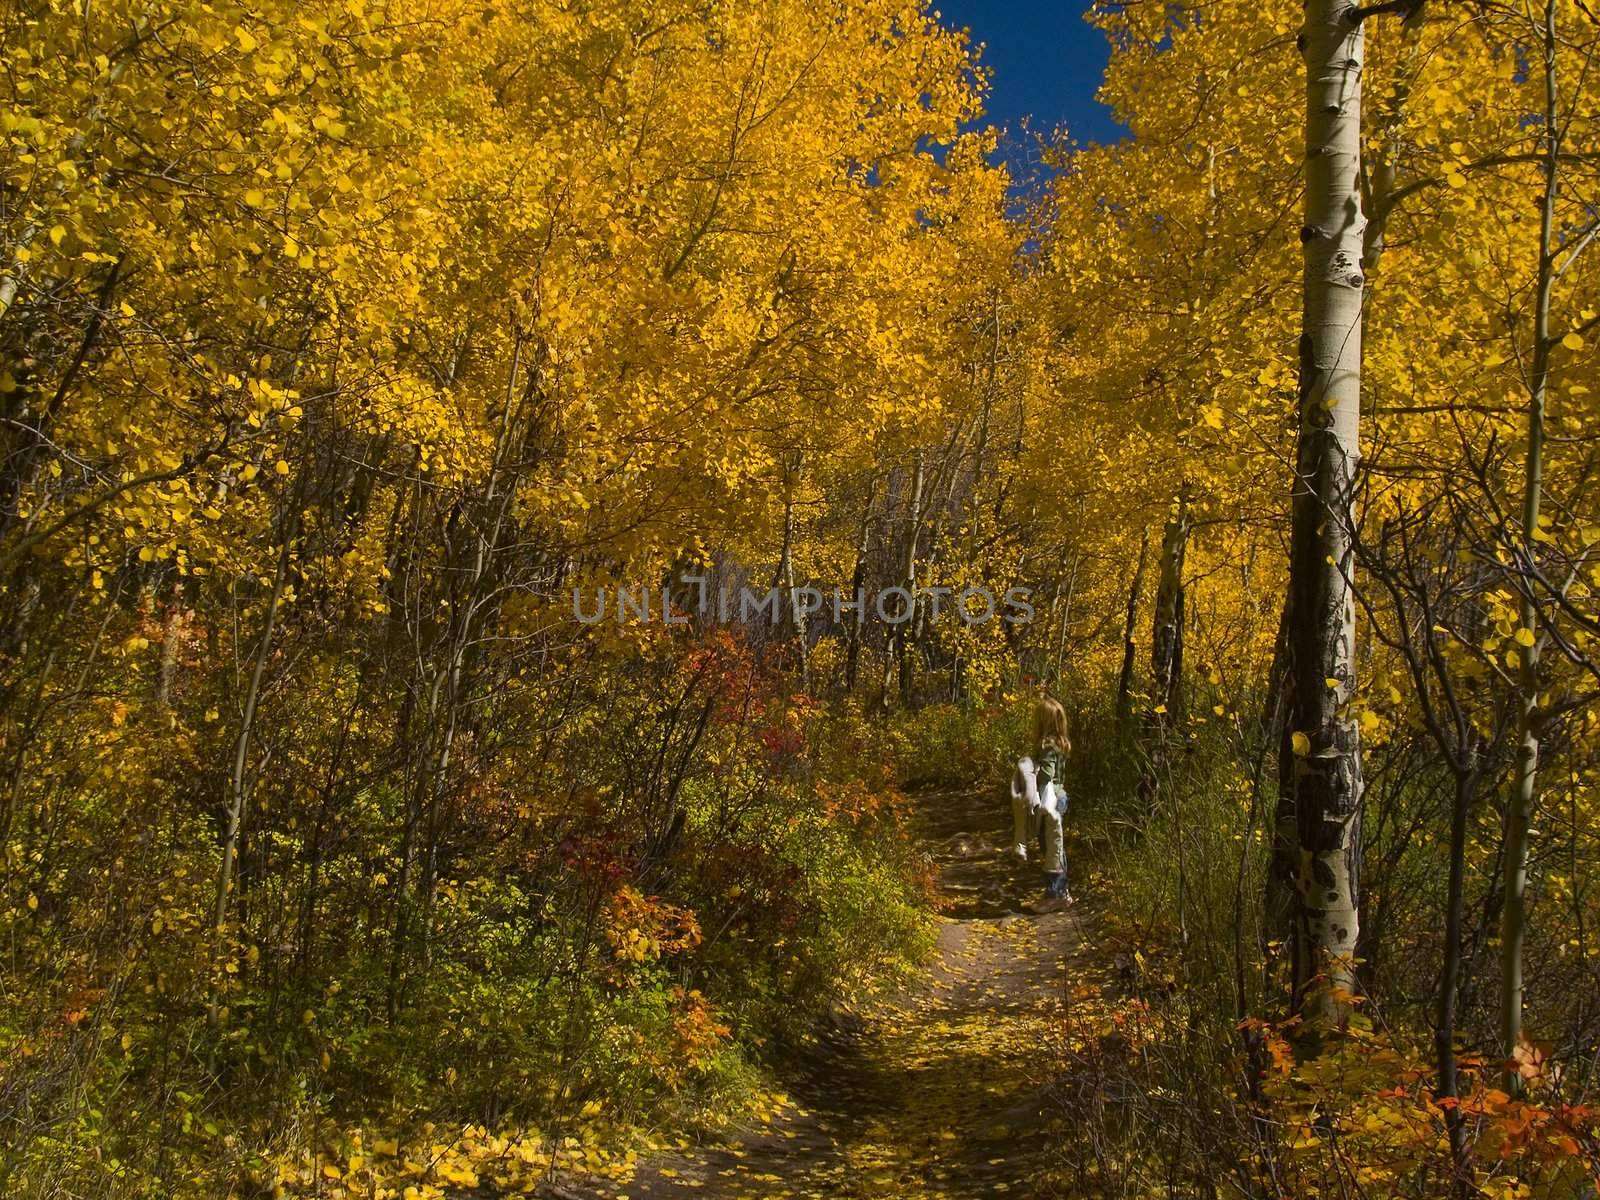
[171, 636]
[1129, 648]
[1279, 899]
[1061, 629]
[900, 655]
[1444, 1034]
[1524, 790]
[1325, 767]
[1380, 194]
[1166, 644]
[1166, 649]
[447, 664]
[240, 777]
[796, 620]
[858, 583]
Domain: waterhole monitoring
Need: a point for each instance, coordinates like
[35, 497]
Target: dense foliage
[340, 341]
[348, 351]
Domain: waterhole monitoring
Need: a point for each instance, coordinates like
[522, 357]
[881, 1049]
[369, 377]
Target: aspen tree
[1524, 788]
[1325, 770]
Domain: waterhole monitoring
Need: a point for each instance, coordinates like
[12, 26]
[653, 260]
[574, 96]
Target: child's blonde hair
[1050, 726]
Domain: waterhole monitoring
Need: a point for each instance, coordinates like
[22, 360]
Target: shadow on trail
[938, 1090]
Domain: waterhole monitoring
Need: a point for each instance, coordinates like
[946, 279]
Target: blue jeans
[1039, 816]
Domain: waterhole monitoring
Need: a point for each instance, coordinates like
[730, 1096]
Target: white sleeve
[1024, 783]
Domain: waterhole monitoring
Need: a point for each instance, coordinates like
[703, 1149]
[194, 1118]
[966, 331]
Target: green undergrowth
[631, 946]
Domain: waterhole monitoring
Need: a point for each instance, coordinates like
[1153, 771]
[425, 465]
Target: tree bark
[858, 583]
[1524, 790]
[240, 777]
[1063, 625]
[1166, 644]
[900, 651]
[1444, 1034]
[1325, 768]
[1129, 647]
[1279, 898]
[1166, 649]
[796, 621]
[1128, 626]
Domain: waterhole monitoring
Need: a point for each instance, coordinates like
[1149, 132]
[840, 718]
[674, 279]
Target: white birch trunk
[1326, 772]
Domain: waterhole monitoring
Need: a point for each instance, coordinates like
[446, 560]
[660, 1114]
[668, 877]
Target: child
[1038, 792]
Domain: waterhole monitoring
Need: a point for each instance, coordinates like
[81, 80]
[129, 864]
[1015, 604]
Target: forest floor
[942, 1089]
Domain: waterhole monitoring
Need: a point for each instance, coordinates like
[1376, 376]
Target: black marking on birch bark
[1322, 874]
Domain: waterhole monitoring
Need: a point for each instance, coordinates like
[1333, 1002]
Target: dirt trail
[940, 1090]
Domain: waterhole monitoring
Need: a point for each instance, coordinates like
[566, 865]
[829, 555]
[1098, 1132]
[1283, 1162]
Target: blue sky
[1045, 61]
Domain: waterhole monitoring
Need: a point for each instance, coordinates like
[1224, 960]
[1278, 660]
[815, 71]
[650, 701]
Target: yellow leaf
[1573, 341]
[1301, 744]
[1524, 637]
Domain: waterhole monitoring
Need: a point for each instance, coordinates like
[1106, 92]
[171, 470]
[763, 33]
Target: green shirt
[1052, 768]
